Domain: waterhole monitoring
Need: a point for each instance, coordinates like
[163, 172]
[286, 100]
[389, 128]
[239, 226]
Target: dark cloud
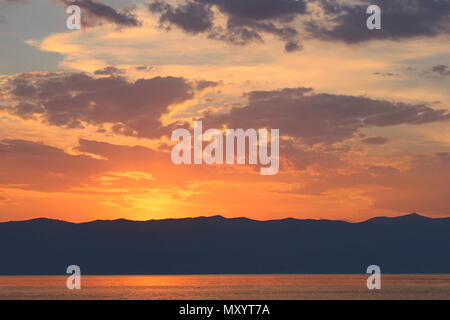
[134, 108]
[70, 100]
[26, 110]
[320, 118]
[94, 12]
[292, 46]
[375, 140]
[283, 10]
[110, 70]
[441, 70]
[437, 72]
[251, 20]
[400, 19]
[247, 21]
[237, 35]
[192, 17]
[203, 84]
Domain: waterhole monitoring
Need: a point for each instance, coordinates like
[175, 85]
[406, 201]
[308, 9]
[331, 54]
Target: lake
[226, 287]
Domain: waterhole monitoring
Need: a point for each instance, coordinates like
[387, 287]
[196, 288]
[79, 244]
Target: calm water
[227, 287]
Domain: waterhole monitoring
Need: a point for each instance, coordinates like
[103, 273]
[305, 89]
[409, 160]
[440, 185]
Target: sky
[86, 115]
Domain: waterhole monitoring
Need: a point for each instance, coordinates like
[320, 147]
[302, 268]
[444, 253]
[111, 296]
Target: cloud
[437, 72]
[143, 68]
[261, 9]
[203, 84]
[110, 71]
[345, 21]
[375, 140]
[192, 17]
[72, 99]
[247, 21]
[94, 12]
[401, 19]
[134, 108]
[321, 118]
[441, 70]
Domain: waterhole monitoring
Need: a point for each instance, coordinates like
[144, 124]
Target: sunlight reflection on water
[229, 287]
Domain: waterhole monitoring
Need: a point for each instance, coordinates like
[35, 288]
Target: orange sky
[364, 126]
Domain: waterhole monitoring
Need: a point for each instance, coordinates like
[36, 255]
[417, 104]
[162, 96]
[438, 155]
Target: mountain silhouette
[218, 245]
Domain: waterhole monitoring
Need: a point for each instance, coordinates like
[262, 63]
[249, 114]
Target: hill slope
[210, 245]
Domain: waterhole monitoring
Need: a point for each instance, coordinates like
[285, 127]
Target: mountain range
[218, 245]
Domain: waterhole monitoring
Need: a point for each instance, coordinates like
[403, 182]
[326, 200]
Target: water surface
[233, 287]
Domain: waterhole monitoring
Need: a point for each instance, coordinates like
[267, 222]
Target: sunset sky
[86, 115]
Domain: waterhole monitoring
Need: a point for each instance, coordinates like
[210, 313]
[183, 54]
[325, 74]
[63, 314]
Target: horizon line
[413, 214]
